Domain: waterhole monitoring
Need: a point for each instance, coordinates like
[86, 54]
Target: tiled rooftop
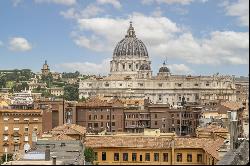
[69, 129]
[19, 111]
[208, 144]
[232, 105]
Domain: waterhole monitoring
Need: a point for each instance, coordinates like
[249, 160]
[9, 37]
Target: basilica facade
[131, 77]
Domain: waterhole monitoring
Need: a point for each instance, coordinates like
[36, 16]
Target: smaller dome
[164, 69]
[145, 67]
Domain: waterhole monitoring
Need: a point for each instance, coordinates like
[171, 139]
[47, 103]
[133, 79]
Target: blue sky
[198, 37]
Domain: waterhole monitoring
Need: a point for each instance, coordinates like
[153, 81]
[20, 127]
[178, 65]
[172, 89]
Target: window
[89, 124]
[103, 156]
[123, 66]
[179, 157]
[101, 116]
[137, 66]
[199, 158]
[140, 157]
[125, 156]
[113, 123]
[26, 138]
[26, 129]
[106, 85]
[134, 156]
[140, 84]
[95, 125]
[160, 84]
[95, 117]
[179, 85]
[89, 117]
[165, 157]
[195, 84]
[116, 156]
[129, 66]
[108, 117]
[156, 156]
[155, 115]
[189, 157]
[16, 129]
[5, 138]
[113, 116]
[147, 157]
[207, 84]
[5, 119]
[155, 122]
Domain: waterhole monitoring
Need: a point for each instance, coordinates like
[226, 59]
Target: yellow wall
[110, 156]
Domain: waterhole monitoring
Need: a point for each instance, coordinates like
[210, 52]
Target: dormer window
[106, 84]
[140, 84]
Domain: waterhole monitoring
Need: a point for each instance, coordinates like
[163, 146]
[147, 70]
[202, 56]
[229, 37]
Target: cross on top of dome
[131, 31]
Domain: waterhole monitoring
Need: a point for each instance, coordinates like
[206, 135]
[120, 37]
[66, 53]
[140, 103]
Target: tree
[71, 92]
[89, 155]
[9, 157]
[20, 87]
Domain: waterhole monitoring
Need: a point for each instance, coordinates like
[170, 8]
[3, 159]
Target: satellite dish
[26, 147]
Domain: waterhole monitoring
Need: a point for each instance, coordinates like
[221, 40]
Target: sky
[197, 37]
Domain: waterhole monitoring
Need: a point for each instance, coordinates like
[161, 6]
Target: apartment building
[19, 129]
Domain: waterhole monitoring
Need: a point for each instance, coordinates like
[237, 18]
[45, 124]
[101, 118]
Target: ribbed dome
[164, 68]
[130, 45]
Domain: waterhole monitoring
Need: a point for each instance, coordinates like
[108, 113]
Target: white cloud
[180, 69]
[157, 13]
[19, 44]
[1, 43]
[16, 2]
[90, 11]
[87, 67]
[182, 2]
[115, 3]
[238, 9]
[164, 38]
[61, 2]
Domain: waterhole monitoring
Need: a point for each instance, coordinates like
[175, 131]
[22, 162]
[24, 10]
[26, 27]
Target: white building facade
[131, 77]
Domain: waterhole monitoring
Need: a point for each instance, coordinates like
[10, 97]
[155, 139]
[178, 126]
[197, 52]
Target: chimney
[53, 160]
[47, 153]
[233, 130]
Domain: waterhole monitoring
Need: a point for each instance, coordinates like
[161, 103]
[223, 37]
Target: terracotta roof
[208, 144]
[19, 111]
[68, 129]
[213, 147]
[213, 128]
[234, 106]
[99, 102]
[62, 137]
